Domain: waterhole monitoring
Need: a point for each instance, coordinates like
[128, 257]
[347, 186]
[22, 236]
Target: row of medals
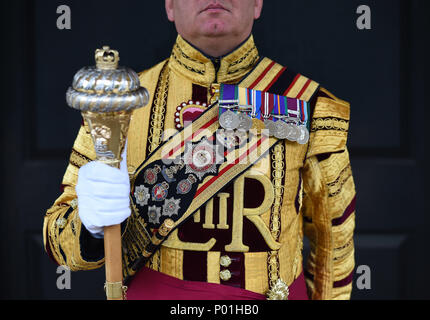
[285, 128]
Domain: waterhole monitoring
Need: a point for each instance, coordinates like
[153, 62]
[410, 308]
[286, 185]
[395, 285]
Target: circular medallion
[184, 187]
[245, 122]
[270, 126]
[229, 120]
[293, 132]
[281, 130]
[231, 138]
[200, 159]
[258, 125]
[304, 135]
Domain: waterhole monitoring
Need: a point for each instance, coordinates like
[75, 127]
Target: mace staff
[107, 95]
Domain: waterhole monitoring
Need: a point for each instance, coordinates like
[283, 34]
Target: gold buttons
[225, 275]
[225, 261]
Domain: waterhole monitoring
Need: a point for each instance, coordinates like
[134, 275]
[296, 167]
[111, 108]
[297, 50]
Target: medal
[229, 120]
[171, 207]
[293, 132]
[258, 125]
[169, 173]
[142, 195]
[304, 135]
[245, 122]
[154, 214]
[185, 185]
[270, 126]
[160, 191]
[150, 175]
[281, 130]
[201, 159]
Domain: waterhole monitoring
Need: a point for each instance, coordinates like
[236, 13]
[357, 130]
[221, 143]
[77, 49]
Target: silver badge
[142, 195]
[281, 130]
[304, 135]
[171, 207]
[270, 126]
[245, 122]
[201, 159]
[154, 214]
[229, 120]
[293, 132]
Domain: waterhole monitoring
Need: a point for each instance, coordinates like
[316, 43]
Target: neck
[216, 47]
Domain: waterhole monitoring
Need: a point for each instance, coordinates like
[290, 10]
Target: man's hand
[103, 195]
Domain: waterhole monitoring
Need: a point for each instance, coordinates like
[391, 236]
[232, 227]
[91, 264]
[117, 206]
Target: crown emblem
[106, 58]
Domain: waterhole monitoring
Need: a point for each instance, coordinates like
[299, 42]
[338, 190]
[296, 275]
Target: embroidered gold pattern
[251, 55]
[135, 235]
[336, 186]
[183, 54]
[329, 124]
[78, 159]
[278, 174]
[156, 128]
[202, 72]
[158, 111]
[197, 67]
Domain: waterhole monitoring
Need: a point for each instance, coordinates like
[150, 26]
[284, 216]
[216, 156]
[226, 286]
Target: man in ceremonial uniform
[240, 227]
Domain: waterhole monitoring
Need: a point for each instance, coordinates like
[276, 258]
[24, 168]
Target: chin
[215, 28]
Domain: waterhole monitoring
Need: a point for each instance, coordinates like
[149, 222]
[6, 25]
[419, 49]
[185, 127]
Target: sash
[192, 166]
[185, 172]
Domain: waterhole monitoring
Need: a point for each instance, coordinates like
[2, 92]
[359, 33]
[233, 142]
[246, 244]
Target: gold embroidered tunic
[250, 234]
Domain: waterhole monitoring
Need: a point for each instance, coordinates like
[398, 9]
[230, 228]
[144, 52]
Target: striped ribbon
[265, 105]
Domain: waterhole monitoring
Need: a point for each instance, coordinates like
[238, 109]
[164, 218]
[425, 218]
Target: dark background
[380, 71]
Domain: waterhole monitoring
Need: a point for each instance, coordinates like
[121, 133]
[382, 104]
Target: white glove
[103, 195]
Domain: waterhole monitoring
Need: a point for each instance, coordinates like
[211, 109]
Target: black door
[379, 70]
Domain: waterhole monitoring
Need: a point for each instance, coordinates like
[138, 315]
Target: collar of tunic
[191, 63]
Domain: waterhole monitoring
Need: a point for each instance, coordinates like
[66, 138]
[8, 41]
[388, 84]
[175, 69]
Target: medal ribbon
[228, 93]
[265, 103]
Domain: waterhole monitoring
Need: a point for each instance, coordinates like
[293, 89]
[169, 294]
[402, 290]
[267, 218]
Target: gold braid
[278, 175]
[156, 129]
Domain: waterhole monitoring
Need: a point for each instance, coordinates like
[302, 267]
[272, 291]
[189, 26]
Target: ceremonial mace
[107, 95]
